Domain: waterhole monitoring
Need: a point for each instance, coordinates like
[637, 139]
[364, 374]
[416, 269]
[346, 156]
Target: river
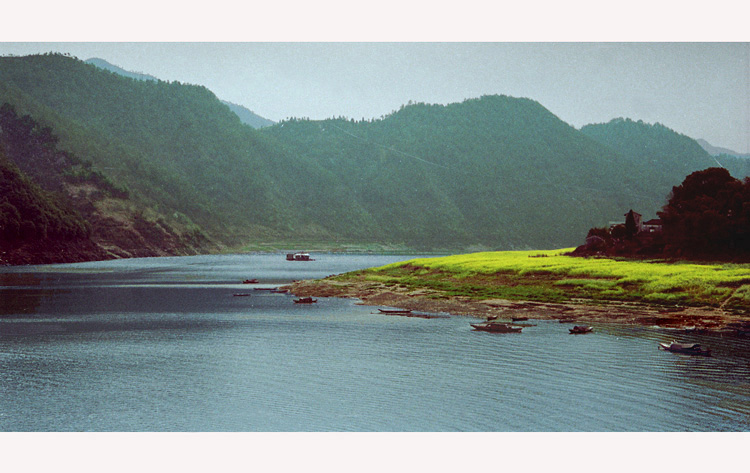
[164, 344]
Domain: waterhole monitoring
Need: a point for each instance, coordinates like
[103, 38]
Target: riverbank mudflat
[371, 293]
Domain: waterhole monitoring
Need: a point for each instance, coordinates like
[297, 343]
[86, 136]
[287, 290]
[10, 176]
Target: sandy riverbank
[577, 311]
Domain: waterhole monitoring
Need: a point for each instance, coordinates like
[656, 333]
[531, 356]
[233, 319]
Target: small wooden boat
[685, 348]
[496, 327]
[250, 281]
[305, 300]
[581, 329]
[421, 315]
[395, 311]
[519, 319]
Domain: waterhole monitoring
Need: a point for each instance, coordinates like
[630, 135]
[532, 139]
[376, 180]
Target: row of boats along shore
[492, 325]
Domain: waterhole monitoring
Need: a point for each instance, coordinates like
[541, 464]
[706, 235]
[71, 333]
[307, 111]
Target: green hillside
[175, 146]
[658, 153]
[498, 172]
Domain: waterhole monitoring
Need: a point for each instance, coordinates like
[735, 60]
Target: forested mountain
[493, 172]
[496, 171]
[174, 146]
[658, 153]
[246, 116]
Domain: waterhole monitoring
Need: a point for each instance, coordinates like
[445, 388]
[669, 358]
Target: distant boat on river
[298, 257]
[395, 311]
[250, 281]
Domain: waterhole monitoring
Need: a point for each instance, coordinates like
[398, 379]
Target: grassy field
[550, 276]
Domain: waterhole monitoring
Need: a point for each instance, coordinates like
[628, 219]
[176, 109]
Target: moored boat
[519, 319]
[305, 300]
[395, 311]
[496, 327]
[250, 281]
[685, 348]
[581, 329]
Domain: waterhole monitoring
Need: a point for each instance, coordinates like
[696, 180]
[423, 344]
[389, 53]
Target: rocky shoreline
[698, 319]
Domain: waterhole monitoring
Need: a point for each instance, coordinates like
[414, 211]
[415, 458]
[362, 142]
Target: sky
[701, 89]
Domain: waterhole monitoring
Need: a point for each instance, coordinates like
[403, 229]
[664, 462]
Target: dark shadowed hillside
[71, 189]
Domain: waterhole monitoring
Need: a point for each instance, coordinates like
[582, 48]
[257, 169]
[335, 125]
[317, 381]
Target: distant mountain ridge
[494, 172]
[102, 64]
[247, 116]
[718, 151]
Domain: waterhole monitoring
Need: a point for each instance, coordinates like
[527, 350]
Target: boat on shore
[685, 348]
[305, 300]
[496, 327]
[410, 313]
[519, 319]
[578, 329]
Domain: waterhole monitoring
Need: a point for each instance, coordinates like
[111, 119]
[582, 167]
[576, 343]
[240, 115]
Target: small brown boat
[250, 281]
[496, 327]
[519, 319]
[578, 329]
[685, 348]
[305, 300]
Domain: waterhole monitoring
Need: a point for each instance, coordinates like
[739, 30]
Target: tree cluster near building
[706, 217]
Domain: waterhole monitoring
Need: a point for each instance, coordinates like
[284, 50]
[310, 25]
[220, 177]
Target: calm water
[161, 344]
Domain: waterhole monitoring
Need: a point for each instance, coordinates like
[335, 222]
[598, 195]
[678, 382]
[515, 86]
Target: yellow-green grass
[553, 276]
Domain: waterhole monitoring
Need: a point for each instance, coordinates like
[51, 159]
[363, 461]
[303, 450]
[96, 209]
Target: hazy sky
[699, 89]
